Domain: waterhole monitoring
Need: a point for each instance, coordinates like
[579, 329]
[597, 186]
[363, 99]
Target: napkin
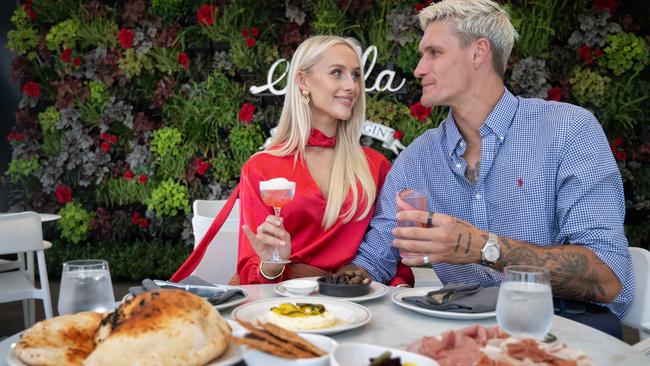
[215, 294]
[458, 298]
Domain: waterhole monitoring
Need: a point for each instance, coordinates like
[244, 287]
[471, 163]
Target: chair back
[220, 260]
[21, 232]
[639, 314]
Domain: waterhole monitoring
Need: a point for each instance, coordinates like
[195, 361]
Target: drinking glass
[525, 304]
[85, 286]
[277, 193]
[406, 200]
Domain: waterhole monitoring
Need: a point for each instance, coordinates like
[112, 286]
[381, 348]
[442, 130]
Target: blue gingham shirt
[547, 177]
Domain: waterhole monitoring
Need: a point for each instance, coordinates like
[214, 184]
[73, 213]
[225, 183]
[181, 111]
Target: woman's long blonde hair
[350, 165]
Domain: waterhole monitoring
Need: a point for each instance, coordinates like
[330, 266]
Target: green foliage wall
[133, 109]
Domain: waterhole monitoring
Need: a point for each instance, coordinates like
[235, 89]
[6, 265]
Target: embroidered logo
[520, 182]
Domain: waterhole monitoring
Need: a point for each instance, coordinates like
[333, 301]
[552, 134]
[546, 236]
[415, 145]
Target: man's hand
[447, 240]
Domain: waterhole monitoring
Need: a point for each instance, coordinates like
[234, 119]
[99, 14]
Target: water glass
[525, 303]
[406, 200]
[85, 286]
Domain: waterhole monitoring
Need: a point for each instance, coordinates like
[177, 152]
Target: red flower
[618, 141]
[112, 139]
[143, 223]
[76, 61]
[128, 175]
[246, 113]
[126, 37]
[32, 89]
[103, 136]
[204, 15]
[584, 52]
[621, 155]
[30, 12]
[398, 135]
[250, 42]
[20, 137]
[419, 111]
[419, 6]
[65, 56]
[245, 32]
[135, 218]
[143, 179]
[184, 60]
[63, 194]
[254, 32]
[105, 147]
[11, 136]
[555, 93]
[602, 5]
[201, 166]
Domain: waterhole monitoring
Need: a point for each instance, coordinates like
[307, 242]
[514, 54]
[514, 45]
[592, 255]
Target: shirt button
[462, 144]
[478, 196]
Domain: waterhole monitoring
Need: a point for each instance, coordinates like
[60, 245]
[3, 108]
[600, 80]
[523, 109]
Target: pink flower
[246, 113]
[32, 89]
[204, 15]
[250, 42]
[184, 60]
[66, 55]
[63, 194]
[126, 38]
[419, 111]
[555, 93]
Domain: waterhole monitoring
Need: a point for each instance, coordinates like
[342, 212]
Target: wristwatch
[491, 251]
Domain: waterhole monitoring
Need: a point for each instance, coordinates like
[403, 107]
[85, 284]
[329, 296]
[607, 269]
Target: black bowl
[341, 289]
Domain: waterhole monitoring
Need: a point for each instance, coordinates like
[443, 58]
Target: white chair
[220, 260]
[639, 314]
[21, 233]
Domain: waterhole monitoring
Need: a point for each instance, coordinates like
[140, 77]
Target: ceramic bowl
[300, 287]
[253, 357]
[341, 289]
[355, 354]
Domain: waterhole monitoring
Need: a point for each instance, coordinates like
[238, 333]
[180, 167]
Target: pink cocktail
[277, 193]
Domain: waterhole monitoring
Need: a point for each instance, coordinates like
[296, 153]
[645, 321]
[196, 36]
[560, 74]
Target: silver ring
[426, 259]
[430, 219]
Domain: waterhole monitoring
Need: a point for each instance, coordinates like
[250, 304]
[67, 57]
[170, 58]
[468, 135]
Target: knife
[200, 290]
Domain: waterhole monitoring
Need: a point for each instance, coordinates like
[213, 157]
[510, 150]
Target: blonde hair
[474, 19]
[350, 166]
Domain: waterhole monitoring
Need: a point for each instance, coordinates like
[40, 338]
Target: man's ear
[481, 50]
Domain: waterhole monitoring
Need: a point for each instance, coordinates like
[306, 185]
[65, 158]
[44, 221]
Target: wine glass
[525, 304]
[85, 286]
[406, 200]
[277, 193]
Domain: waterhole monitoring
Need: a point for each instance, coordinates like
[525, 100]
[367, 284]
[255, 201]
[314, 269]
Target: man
[510, 180]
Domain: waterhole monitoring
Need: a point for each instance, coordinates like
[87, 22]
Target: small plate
[421, 291]
[349, 315]
[231, 356]
[377, 290]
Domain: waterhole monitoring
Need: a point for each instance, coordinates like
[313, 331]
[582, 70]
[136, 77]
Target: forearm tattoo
[573, 274]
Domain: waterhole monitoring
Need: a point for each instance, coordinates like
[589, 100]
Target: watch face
[491, 253]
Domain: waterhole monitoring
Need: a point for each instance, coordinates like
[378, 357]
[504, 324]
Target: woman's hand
[270, 234]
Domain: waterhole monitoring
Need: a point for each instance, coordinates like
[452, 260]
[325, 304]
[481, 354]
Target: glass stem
[277, 211]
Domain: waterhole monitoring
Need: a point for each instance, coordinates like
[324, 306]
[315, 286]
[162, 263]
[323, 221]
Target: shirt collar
[497, 122]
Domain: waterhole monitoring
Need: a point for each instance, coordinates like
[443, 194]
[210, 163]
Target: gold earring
[305, 97]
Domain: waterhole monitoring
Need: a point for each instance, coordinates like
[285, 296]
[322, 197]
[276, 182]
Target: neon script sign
[383, 82]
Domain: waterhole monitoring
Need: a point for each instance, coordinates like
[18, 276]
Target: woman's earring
[305, 97]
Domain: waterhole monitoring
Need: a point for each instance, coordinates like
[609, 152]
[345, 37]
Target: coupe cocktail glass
[277, 193]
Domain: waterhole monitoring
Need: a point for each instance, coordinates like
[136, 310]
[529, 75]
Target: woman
[317, 147]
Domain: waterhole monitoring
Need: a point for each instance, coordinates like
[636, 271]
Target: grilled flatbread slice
[163, 327]
[62, 340]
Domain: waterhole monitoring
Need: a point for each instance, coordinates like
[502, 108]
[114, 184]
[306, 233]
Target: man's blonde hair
[350, 167]
[474, 19]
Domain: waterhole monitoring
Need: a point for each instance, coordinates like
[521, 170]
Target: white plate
[421, 291]
[377, 290]
[231, 356]
[49, 217]
[353, 354]
[349, 315]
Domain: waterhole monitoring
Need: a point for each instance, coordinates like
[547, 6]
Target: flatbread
[63, 340]
[163, 327]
